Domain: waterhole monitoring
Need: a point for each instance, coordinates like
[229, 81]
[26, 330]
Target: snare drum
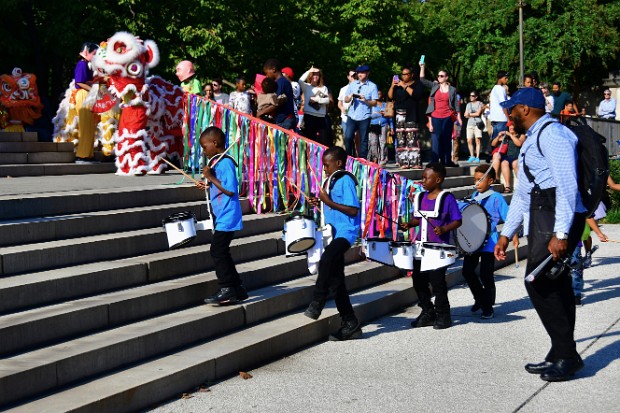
[180, 228]
[476, 227]
[435, 255]
[299, 234]
[403, 253]
[378, 249]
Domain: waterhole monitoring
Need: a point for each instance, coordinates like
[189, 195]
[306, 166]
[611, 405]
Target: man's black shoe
[563, 369]
[350, 330]
[314, 310]
[538, 368]
[475, 307]
[425, 319]
[225, 296]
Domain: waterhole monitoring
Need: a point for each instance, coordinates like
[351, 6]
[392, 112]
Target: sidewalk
[475, 366]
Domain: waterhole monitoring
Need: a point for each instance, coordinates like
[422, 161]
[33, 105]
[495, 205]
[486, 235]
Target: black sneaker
[350, 330]
[475, 307]
[486, 315]
[314, 310]
[225, 296]
[578, 299]
[442, 321]
[425, 319]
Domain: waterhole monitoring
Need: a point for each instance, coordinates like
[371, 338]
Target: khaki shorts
[473, 131]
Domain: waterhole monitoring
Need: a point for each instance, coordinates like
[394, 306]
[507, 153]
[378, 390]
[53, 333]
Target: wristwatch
[562, 236]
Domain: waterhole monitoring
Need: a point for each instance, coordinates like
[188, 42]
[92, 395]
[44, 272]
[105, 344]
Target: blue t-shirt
[226, 209]
[497, 208]
[287, 110]
[360, 110]
[344, 192]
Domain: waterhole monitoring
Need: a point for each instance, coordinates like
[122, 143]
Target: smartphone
[396, 78]
[422, 59]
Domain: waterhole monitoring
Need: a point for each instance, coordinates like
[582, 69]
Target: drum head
[475, 229]
[179, 216]
[301, 245]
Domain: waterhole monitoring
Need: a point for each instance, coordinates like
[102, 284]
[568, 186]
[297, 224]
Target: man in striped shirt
[547, 199]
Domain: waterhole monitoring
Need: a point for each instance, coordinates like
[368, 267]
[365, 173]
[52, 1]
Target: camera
[357, 95]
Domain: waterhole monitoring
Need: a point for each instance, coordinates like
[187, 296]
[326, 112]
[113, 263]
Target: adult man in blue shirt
[607, 107]
[284, 113]
[547, 196]
[363, 95]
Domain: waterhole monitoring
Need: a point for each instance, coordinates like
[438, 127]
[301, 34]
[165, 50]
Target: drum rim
[293, 243]
[180, 244]
[379, 239]
[297, 216]
[468, 203]
[179, 216]
[438, 245]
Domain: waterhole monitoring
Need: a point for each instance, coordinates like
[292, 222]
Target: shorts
[510, 159]
[473, 131]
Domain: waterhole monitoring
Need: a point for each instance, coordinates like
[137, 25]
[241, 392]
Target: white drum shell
[403, 254]
[435, 256]
[180, 232]
[299, 235]
[378, 249]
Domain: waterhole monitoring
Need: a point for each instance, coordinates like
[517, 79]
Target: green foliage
[571, 41]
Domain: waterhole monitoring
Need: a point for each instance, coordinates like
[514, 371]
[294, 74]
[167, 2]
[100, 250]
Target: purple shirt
[82, 73]
[449, 212]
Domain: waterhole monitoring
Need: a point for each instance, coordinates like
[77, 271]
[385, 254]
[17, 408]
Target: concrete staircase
[96, 314]
[22, 155]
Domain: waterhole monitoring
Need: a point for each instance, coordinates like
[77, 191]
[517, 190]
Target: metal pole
[521, 4]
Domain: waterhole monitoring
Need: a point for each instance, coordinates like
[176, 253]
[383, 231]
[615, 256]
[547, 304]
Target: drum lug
[442, 254]
[180, 226]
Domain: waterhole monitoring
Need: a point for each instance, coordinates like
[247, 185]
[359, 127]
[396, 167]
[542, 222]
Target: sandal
[507, 190]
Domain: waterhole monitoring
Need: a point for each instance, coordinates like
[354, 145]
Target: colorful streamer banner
[277, 166]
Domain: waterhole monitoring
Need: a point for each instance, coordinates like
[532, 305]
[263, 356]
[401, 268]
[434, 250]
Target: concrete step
[36, 157]
[28, 147]
[19, 137]
[48, 287]
[65, 363]
[56, 254]
[33, 230]
[44, 204]
[53, 169]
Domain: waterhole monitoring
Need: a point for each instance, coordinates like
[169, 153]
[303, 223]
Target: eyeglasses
[607, 94]
[214, 84]
[405, 74]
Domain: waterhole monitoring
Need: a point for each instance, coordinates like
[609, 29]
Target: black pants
[315, 128]
[436, 279]
[331, 278]
[553, 299]
[482, 287]
[227, 275]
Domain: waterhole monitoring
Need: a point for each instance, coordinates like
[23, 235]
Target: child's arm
[447, 228]
[411, 224]
[206, 172]
[594, 226]
[612, 184]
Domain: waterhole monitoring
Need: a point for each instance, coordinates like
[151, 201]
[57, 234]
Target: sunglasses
[215, 84]
[607, 94]
[473, 96]
[442, 75]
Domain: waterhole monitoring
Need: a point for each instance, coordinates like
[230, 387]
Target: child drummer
[448, 218]
[483, 287]
[223, 190]
[341, 210]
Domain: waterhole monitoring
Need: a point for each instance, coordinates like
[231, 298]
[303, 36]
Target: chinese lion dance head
[151, 108]
[20, 96]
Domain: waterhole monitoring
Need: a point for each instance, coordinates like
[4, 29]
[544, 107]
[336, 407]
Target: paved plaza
[475, 366]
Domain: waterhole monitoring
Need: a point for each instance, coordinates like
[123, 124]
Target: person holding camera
[473, 113]
[363, 95]
[316, 99]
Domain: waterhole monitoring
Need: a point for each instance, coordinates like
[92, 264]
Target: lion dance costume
[151, 109]
[19, 101]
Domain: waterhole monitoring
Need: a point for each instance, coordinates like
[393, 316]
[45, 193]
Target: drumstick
[613, 240]
[517, 257]
[180, 170]
[296, 187]
[315, 178]
[426, 219]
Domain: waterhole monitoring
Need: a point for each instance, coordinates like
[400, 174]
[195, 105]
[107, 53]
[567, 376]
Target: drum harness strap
[328, 185]
[417, 201]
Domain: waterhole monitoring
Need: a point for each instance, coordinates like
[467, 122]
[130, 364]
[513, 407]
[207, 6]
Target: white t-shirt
[498, 95]
[341, 95]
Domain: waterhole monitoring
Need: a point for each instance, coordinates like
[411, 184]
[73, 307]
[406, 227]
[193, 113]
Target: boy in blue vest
[483, 287]
[341, 208]
[223, 190]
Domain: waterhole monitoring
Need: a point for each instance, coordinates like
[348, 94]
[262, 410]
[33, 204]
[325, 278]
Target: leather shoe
[563, 369]
[538, 368]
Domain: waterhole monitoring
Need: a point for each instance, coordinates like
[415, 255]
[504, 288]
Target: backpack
[592, 162]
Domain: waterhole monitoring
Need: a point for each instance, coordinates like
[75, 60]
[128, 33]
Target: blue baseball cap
[529, 96]
[363, 68]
